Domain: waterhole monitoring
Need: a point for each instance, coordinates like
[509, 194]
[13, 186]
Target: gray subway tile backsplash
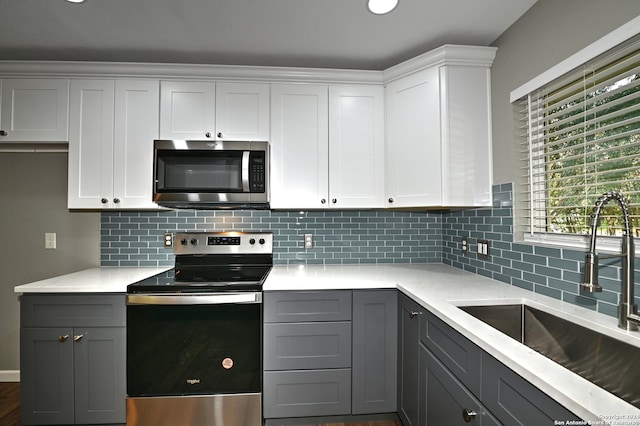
[376, 236]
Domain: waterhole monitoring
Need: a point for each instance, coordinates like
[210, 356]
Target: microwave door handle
[245, 171]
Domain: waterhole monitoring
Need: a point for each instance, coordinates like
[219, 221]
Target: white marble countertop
[440, 289]
[94, 280]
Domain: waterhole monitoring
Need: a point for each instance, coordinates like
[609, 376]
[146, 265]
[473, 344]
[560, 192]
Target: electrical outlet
[50, 240]
[168, 240]
[465, 245]
[308, 241]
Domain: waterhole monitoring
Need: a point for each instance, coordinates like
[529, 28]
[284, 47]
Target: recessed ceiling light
[380, 7]
[76, 1]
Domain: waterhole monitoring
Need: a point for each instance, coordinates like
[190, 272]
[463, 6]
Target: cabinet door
[91, 109]
[299, 146]
[46, 376]
[444, 400]
[466, 134]
[414, 175]
[34, 110]
[356, 146]
[100, 375]
[408, 360]
[513, 400]
[187, 110]
[135, 128]
[375, 351]
[242, 111]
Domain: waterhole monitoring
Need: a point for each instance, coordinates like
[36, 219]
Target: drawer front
[307, 306]
[303, 346]
[307, 393]
[455, 351]
[72, 310]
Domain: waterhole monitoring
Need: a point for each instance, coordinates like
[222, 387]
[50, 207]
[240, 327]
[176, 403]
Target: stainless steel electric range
[194, 333]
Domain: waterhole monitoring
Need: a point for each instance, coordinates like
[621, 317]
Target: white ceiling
[304, 33]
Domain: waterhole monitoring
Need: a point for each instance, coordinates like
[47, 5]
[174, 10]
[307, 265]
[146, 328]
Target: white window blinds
[581, 138]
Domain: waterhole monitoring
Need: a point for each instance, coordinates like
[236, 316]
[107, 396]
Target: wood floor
[10, 414]
[9, 404]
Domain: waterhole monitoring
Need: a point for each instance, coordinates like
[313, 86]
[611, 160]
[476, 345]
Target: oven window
[199, 171]
[193, 349]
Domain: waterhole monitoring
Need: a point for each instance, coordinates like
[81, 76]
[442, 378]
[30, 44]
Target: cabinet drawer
[303, 346]
[307, 393]
[455, 351]
[72, 310]
[307, 306]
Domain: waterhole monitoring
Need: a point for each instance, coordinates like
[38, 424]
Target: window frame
[602, 46]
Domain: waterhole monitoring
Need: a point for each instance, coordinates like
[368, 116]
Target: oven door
[190, 344]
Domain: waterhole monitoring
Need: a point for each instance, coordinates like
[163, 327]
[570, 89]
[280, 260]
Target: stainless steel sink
[603, 360]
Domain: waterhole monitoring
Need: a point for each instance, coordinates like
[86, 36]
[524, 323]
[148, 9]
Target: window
[581, 139]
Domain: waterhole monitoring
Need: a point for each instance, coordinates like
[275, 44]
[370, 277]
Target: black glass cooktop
[209, 274]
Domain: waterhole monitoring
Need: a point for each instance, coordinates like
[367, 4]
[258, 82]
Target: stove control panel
[223, 243]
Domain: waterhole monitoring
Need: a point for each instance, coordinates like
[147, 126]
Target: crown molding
[80, 69]
[449, 54]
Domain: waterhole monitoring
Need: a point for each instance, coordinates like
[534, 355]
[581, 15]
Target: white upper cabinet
[187, 110]
[112, 127]
[242, 111]
[414, 169]
[299, 146]
[194, 110]
[327, 147]
[34, 110]
[356, 147]
[439, 138]
[135, 128]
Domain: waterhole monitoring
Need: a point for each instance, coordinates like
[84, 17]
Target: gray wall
[33, 190]
[548, 33]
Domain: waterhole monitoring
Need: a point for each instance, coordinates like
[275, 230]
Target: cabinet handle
[63, 339]
[104, 201]
[116, 200]
[334, 200]
[414, 314]
[3, 133]
[391, 200]
[323, 201]
[220, 134]
[468, 415]
[77, 337]
[208, 134]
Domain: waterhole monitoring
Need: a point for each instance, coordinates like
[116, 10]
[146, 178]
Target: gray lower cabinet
[445, 400]
[460, 382]
[374, 385]
[409, 313]
[72, 359]
[329, 353]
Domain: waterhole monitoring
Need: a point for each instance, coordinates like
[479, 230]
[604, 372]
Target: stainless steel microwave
[211, 174]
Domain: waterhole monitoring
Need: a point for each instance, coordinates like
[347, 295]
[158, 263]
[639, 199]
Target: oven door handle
[193, 298]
